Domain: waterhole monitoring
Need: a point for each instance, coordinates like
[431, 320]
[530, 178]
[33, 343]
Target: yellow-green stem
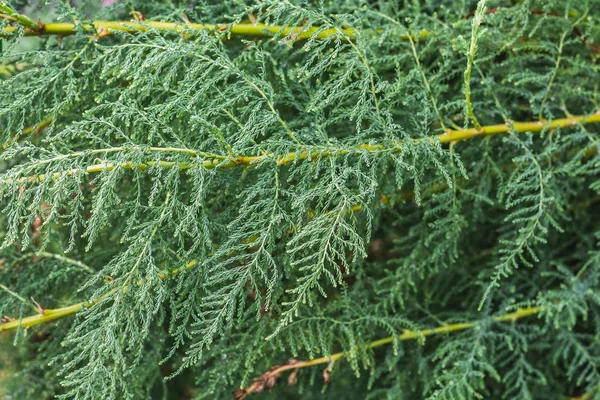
[50, 314]
[406, 335]
[449, 136]
[56, 313]
[257, 30]
[219, 161]
[23, 20]
[47, 316]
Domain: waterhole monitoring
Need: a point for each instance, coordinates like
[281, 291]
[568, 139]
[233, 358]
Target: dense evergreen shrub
[300, 199]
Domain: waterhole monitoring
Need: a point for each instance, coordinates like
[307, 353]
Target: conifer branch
[17, 296]
[47, 316]
[554, 73]
[243, 29]
[471, 52]
[52, 314]
[269, 378]
[34, 129]
[313, 111]
[220, 161]
[223, 161]
[55, 313]
[65, 259]
[23, 20]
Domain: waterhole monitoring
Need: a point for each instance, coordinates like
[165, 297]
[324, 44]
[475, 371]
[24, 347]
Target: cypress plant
[300, 199]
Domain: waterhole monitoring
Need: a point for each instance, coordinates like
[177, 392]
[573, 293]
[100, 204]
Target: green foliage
[221, 201]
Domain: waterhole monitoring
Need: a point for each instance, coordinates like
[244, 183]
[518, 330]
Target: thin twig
[18, 297]
[66, 260]
[269, 378]
[477, 20]
[23, 20]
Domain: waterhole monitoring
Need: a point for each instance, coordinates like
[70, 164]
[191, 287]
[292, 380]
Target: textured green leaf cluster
[221, 203]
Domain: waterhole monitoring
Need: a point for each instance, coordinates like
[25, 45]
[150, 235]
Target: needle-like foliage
[364, 198]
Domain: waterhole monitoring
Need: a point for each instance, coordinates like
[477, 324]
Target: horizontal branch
[219, 161]
[254, 30]
[519, 127]
[244, 29]
[269, 378]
